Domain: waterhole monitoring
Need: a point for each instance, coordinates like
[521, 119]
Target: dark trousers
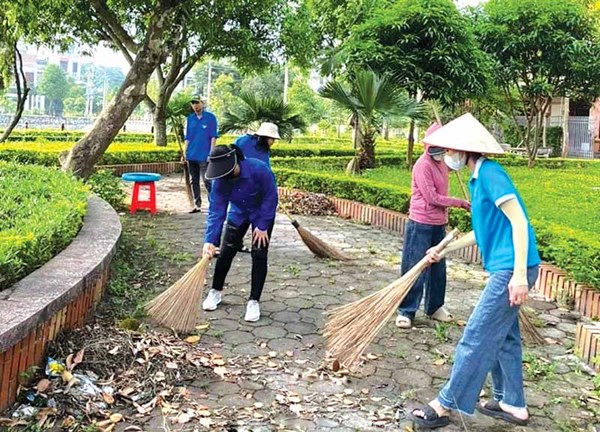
[232, 243]
[417, 239]
[197, 173]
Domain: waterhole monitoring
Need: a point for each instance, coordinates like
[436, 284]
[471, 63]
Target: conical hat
[466, 134]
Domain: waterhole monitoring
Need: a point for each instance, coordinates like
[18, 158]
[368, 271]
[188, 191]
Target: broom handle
[424, 263]
[462, 186]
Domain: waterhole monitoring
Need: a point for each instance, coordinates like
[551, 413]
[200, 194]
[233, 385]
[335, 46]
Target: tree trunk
[159, 121]
[411, 145]
[565, 128]
[366, 153]
[87, 151]
[22, 93]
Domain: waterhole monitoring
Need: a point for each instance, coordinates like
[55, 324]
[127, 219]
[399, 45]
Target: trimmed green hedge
[572, 250]
[359, 189]
[41, 211]
[337, 163]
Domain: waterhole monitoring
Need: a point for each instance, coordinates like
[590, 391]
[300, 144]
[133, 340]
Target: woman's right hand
[209, 250]
[433, 256]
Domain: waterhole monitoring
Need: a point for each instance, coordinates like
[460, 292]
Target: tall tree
[427, 45]
[167, 37]
[11, 65]
[541, 49]
[370, 98]
[54, 85]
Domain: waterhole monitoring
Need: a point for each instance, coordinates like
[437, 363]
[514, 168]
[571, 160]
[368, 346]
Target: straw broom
[317, 246]
[351, 328]
[178, 307]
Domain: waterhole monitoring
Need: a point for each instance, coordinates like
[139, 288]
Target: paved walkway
[277, 378]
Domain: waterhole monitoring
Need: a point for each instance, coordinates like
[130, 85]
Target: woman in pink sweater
[428, 216]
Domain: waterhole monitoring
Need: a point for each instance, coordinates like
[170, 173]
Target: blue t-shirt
[198, 134]
[490, 187]
[248, 143]
[251, 197]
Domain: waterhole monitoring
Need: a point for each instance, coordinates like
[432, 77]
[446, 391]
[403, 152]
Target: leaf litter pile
[119, 380]
[307, 204]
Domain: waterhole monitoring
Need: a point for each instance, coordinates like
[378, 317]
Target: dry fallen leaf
[127, 391]
[348, 391]
[258, 405]
[348, 402]
[69, 362]
[294, 399]
[204, 413]
[67, 376]
[108, 398]
[202, 326]
[461, 323]
[206, 421]
[192, 339]
[183, 418]
[336, 365]
[219, 362]
[258, 415]
[365, 391]
[439, 362]
[272, 353]
[372, 356]
[78, 358]
[272, 364]
[116, 417]
[171, 365]
[289, 353]
[263, 345]
[296, 409]
[43, 385]
[115, 350]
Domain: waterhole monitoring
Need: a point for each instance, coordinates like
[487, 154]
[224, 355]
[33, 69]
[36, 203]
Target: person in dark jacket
[258, 145]
[248, 189]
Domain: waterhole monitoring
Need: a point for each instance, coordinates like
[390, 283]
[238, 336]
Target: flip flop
[492, 409]
[431, 419]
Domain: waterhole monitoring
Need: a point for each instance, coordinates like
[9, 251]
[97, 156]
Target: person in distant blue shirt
[248, 188]
[258, 145]
[200, 137]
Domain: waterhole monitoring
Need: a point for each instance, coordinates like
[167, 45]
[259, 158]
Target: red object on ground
[137, 204]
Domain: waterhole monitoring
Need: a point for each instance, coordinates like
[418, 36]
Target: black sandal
[492, 409]
[430, 420]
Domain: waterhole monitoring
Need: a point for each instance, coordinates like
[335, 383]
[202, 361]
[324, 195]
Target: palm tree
[371, 97]
[256, 110]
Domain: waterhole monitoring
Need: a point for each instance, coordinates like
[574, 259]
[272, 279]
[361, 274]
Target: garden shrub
[41, 211]
[108, 187]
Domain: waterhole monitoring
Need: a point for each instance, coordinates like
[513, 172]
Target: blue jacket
[248, 143]
[198, 134]
[252, 197]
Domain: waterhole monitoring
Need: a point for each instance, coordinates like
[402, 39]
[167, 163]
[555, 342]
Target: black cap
[221, 161]
[435, 151]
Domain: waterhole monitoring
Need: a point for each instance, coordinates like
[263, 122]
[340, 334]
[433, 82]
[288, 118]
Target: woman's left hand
[260, 238]
[518, 289]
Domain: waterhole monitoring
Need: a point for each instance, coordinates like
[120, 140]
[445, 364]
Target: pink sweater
[430, 200]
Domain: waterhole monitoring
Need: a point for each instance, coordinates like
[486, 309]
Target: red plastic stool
[142, 180]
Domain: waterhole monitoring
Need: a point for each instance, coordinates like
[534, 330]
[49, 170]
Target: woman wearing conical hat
[491, 342]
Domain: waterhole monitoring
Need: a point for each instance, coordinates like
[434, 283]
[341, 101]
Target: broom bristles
[351, 328]
[319, 247]
[178, 307]
[530, 333]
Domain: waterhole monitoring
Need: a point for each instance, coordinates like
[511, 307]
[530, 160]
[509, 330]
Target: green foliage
[108, 187]
[255, 110]
[426, 44]
[74, 103]
[41, 211]
[55, 86]
[308, 103]
[541, 49]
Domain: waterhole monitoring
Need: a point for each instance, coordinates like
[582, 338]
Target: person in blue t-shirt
[200, 137]
[258, 145]
[491, 342]
[248, 188]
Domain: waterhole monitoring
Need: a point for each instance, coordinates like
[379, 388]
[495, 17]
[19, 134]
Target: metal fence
[581, 134]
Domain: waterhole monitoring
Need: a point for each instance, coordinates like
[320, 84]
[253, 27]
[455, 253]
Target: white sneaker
[252, 311]
[403, 322]
[442, 315]
[212, 300]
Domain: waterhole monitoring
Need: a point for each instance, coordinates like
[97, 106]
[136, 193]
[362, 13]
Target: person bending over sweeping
[248, 187]
[427, 219]
[258, 146]
[491, 342]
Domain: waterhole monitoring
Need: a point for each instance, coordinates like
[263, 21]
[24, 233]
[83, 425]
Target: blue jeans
[491, 342]
[417, 239]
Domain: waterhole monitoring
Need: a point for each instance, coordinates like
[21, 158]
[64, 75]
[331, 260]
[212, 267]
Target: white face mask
[457, 161]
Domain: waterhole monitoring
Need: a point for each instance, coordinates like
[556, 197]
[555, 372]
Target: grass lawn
[567, 197]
